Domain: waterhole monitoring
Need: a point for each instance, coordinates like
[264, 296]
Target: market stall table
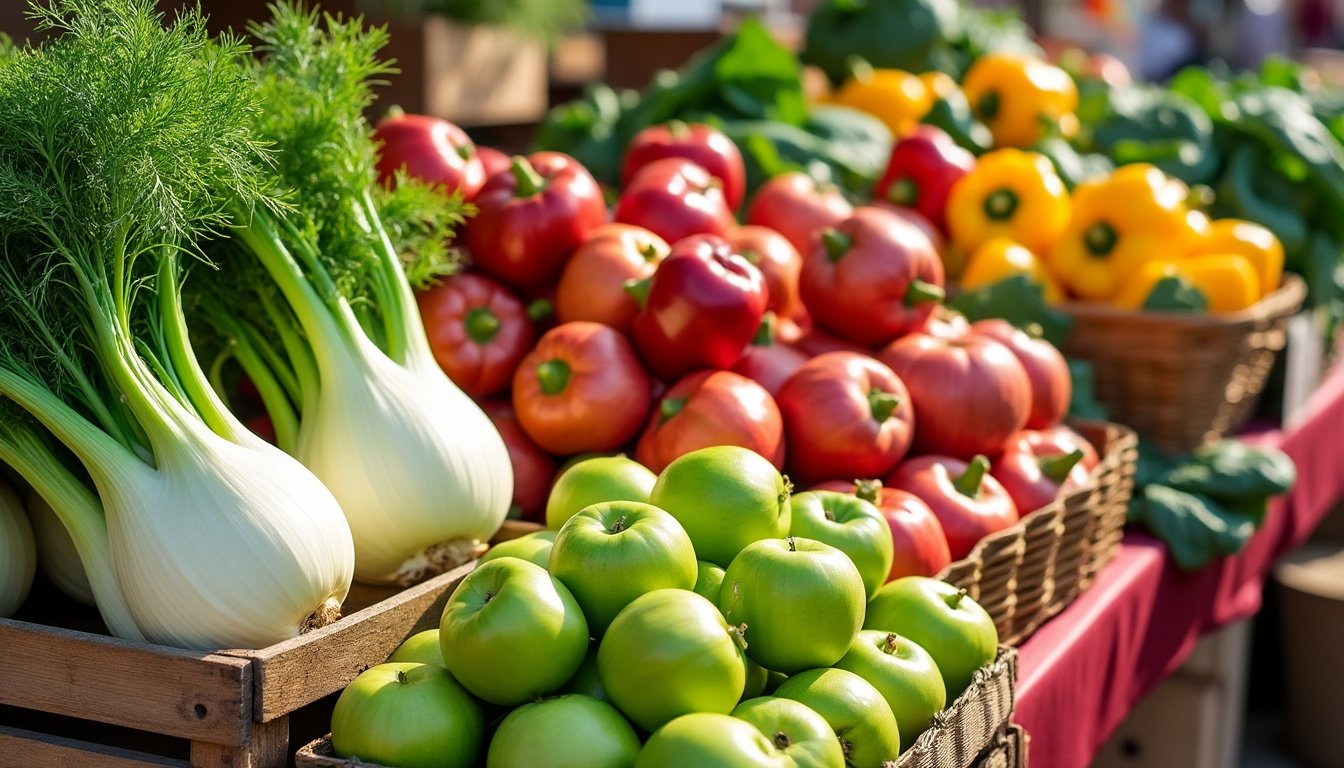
[1086, 669]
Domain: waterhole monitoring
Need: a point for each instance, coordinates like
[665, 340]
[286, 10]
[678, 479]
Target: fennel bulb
[57, 556]
[124, 143]
[18, 553]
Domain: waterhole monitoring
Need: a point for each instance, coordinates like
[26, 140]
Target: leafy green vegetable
[1083, 402]
[1195, 528]
[1073, 167]
[1017, 300]
[1233, 470]
[1148, 124]
[952, 113]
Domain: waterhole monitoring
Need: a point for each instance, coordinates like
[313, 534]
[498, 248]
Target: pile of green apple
[702, 617]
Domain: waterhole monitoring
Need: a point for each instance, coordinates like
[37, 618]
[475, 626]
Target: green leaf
[1195, 528]
[1083, 403]
[1019, 301]
[1233, 470]
[1176, 294]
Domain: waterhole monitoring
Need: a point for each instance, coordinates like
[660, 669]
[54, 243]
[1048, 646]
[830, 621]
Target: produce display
[785, 648]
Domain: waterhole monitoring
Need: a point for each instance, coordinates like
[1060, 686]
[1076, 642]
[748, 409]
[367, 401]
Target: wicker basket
[1183, 379]
[1025, 574]
[971, 733]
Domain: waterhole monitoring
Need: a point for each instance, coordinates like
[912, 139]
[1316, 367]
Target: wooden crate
[227, 708]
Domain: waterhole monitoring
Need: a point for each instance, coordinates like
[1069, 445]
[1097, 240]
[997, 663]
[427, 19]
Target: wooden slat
[40, 750]
[269, 748]
[300, 671]
[163, 690]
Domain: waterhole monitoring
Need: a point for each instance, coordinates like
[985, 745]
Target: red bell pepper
[777, 259]
[1051, 385]
[477, 330]
[429, 149]
[592, 287]
[872, 278]
[798, 207]
[1034, 475]
[674, 198]
[968, 502]
[709, 408]
[767, 360]
[699, 310]
[529, 221]
[704, 145]
[1062, 439]
[845, 415]
[923, 167]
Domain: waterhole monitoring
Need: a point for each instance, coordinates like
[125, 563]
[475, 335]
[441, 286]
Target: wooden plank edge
[40, 750]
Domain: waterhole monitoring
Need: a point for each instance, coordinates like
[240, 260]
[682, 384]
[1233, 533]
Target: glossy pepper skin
[798, 207]
[529, 220]
[701, 308]
[1250, 240]
[999, 259]
[432, 150]
[1118, 223]
[896, 97]
[964, 497]
[704, 145]
[1227, 280]
[478, 331]
[1019, 97]
[675, 198]
[1034, 477]
[872, 278]
[924, 166]
[592, 286]
[708, 408]
[1012, 194]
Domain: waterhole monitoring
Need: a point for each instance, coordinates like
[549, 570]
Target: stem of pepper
[529, 182]
[904, 192]
[481, 324]
[920, 292]
[836, 243]
[1001, 204]
[553, 375]
[650, 252]
[987, 106]
[678, 129]
[638, 290]
[882, 404]
[968, 484]
[539, 310]
[765, 332]
[1100, 239]
[670, 407]
[1057, 468]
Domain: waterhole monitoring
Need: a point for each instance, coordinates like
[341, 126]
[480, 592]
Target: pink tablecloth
[1082, 672]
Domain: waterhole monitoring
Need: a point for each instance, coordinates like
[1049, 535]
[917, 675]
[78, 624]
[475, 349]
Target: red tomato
[777, 259]
[533, 468]
[493, 161]
[1034, 474]
[674, 199]
[710, 408]
[593, 285]
[1046, 368]
[872, 278]
[529, 220]
[768, 361]
[919, 546]
[797, 207]
[704, 145]
[429, 149]
[581, 389]
[970, 394]
[477, 330]
[845, 415]
[968, 502]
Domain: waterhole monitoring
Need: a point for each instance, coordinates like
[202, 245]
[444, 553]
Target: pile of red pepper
[812, 334]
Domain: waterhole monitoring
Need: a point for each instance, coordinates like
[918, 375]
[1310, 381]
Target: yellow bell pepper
[896, 97]
[1019, 97]
[999, 259]
[1136, 290]
[1256, 243]
[1118, 223]
[940, 84]
[1227, 280]
[1012, 194]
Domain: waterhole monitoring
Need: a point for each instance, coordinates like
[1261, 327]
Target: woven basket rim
[1283, 301]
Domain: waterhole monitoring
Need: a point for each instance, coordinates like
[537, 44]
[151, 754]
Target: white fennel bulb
[18, 553]
[57, 556]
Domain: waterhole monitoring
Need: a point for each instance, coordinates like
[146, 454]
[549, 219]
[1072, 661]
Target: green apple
[956, 631]
[587, 681]
[855, 710]
[706, 740]
[410, 715]
[420, 648]
[511, 632]
[570, 731]
[757, 678]
[534, 547]
[670, 653]
[725, 497]
[905, 675]
[591, 481]
[610, 553]
[802, 602]
[708, 578]
[802, 736]
[849, 524]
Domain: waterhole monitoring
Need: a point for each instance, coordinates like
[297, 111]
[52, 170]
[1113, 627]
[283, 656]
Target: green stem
[278, 406]
[835, 242]
[388, 281]
[1100, 239]
[765, 332]
[904, 192]
[299, 354]
[1001, 204]
[868, 490]
[540, 310]
[183, 360]
[969, 483]
[1057, 468]
[987, 106]
[882, 404]
[553, 375]
[482, 325]
[529, 182]
[921, 292]
[678, 129]
[638, 290]
[670, 407]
